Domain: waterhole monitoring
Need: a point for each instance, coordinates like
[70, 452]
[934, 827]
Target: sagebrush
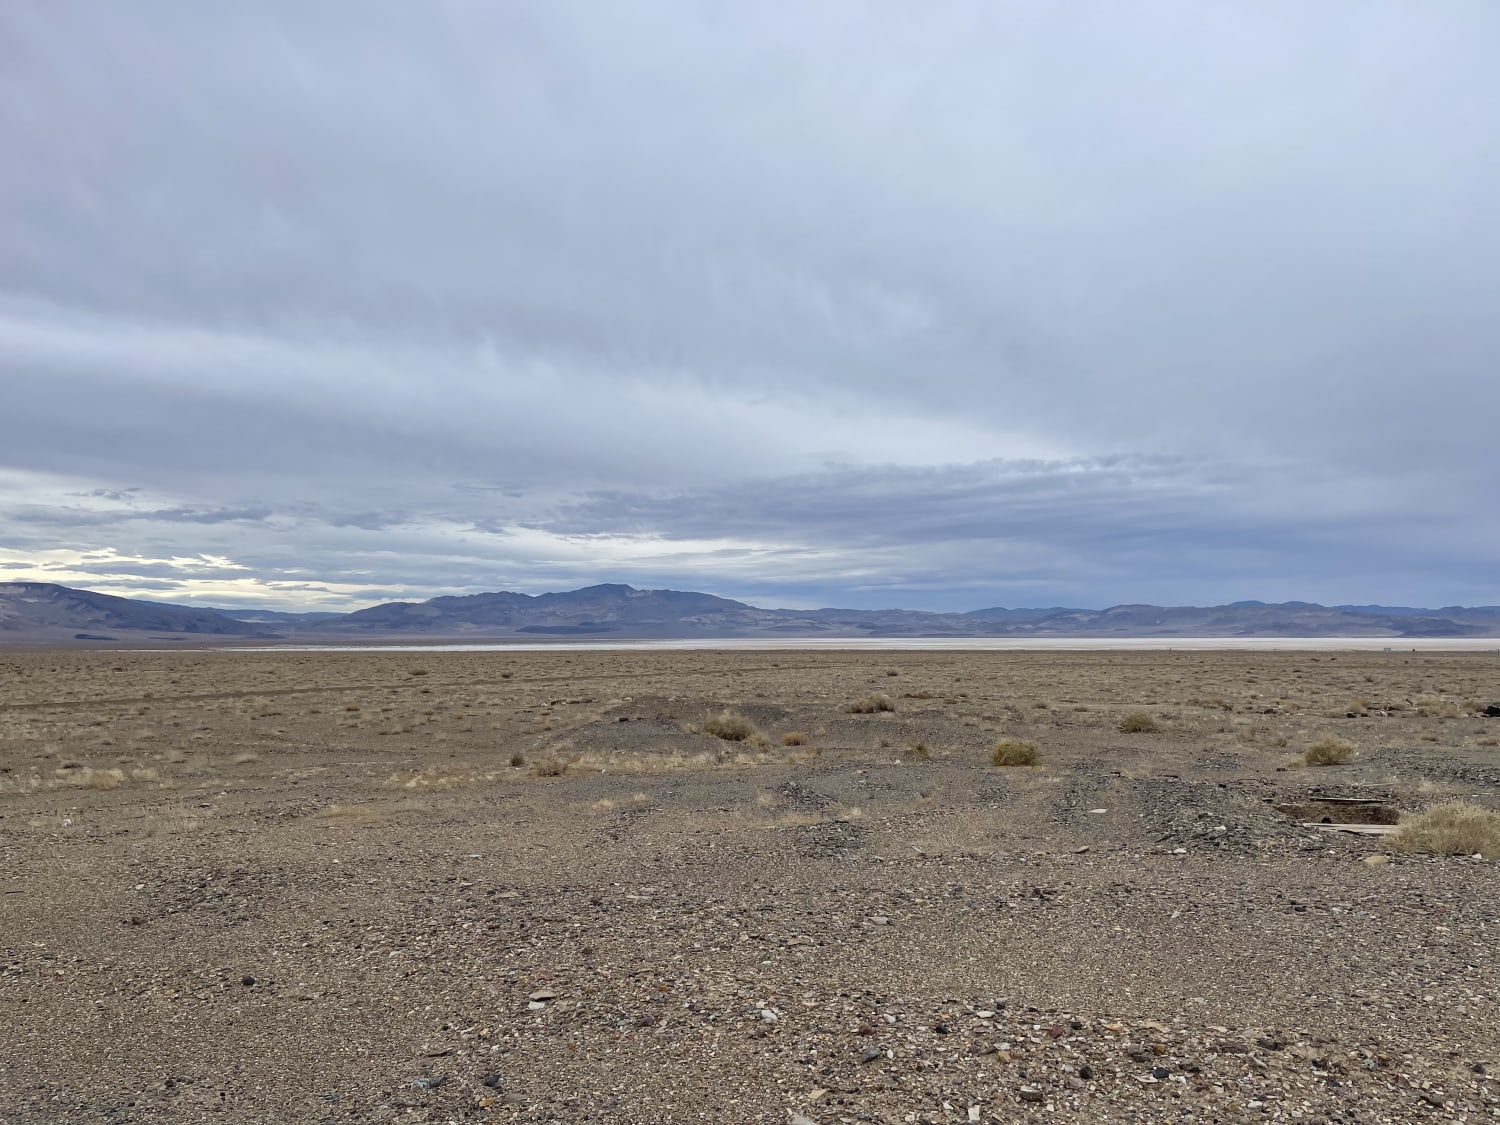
[1013, 752]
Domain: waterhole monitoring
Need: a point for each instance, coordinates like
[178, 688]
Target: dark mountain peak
[46, 608]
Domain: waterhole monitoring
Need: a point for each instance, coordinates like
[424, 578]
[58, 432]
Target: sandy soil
[524, 887]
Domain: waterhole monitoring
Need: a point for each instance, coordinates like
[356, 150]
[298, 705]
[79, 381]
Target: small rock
[879, 920]
[429, 1083]
[1160, 1073]
[798, 1119]
[870, 1054]
[247, 980]
[543, 995]
[492, 1081]
[536, 1006]
[1030, 1094]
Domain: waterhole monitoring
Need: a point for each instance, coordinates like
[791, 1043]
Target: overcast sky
[939, 305]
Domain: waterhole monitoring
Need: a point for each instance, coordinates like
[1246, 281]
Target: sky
[865, 304]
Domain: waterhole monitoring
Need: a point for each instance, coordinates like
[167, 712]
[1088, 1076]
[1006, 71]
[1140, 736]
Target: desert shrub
[916, 751]
[1452, 828]
[794, 738]
[517, 760]
[1013, 752]
[1329, 752]
[870, 705]
[549, 767]
[1137, 722]
[730, 726]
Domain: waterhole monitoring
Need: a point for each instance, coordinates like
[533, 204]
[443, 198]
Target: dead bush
[1137, 722]
[916, 751]
[1013, 752]
[870, 705]
[1329, 752]
[731, 726]
[794, 738]
[1451, 828]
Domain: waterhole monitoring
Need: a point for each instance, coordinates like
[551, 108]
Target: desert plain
[537, 886]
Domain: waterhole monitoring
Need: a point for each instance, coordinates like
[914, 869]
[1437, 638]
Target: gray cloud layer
[868, 303]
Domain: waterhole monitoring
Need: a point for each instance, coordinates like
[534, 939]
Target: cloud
[820, 302]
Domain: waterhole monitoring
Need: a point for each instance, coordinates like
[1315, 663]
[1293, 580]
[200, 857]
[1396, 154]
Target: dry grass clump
[439, 777]
[1137, 722]
[550, 766]
[1013, 752]
[870, 705]
[731, 726]
[916, 751]
[1436, 707]
[794, 738]
[1329, 752]
[1452, 828]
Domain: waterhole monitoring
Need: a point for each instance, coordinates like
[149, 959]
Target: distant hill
[624, 611]
[44, 611]
[37, 611]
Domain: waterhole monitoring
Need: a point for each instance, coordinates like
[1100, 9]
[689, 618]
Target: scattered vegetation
[794, 738]
[731, 726]
[870, 705]
[1137, 722]
[916, 751]
[1329, 752]
[1013, 752]
[549, 767]
[1451, 828]
[517, 760]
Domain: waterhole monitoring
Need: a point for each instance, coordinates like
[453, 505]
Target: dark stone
[247, 980]
[1160, 1072]
[492, 1081]
[1085, 1072]
[1493, 711]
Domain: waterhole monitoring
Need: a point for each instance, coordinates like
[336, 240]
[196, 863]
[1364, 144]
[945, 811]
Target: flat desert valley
[744, 886]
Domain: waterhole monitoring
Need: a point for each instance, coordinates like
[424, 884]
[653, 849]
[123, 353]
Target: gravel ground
[314, 887]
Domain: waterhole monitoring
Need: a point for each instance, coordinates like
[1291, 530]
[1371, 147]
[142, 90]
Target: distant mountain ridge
[47, 611]
[616, 610]
[627, 612]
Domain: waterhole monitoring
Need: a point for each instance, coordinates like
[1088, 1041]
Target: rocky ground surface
[524, 887]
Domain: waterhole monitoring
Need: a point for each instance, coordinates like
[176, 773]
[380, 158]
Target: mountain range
[37, 612]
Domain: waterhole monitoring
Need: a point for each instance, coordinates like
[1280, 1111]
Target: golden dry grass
[730, 726]
[870, 705]
[794, 738]
[1137, 722]
[1013, 752]
[1451, 828]
[1329, 751]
